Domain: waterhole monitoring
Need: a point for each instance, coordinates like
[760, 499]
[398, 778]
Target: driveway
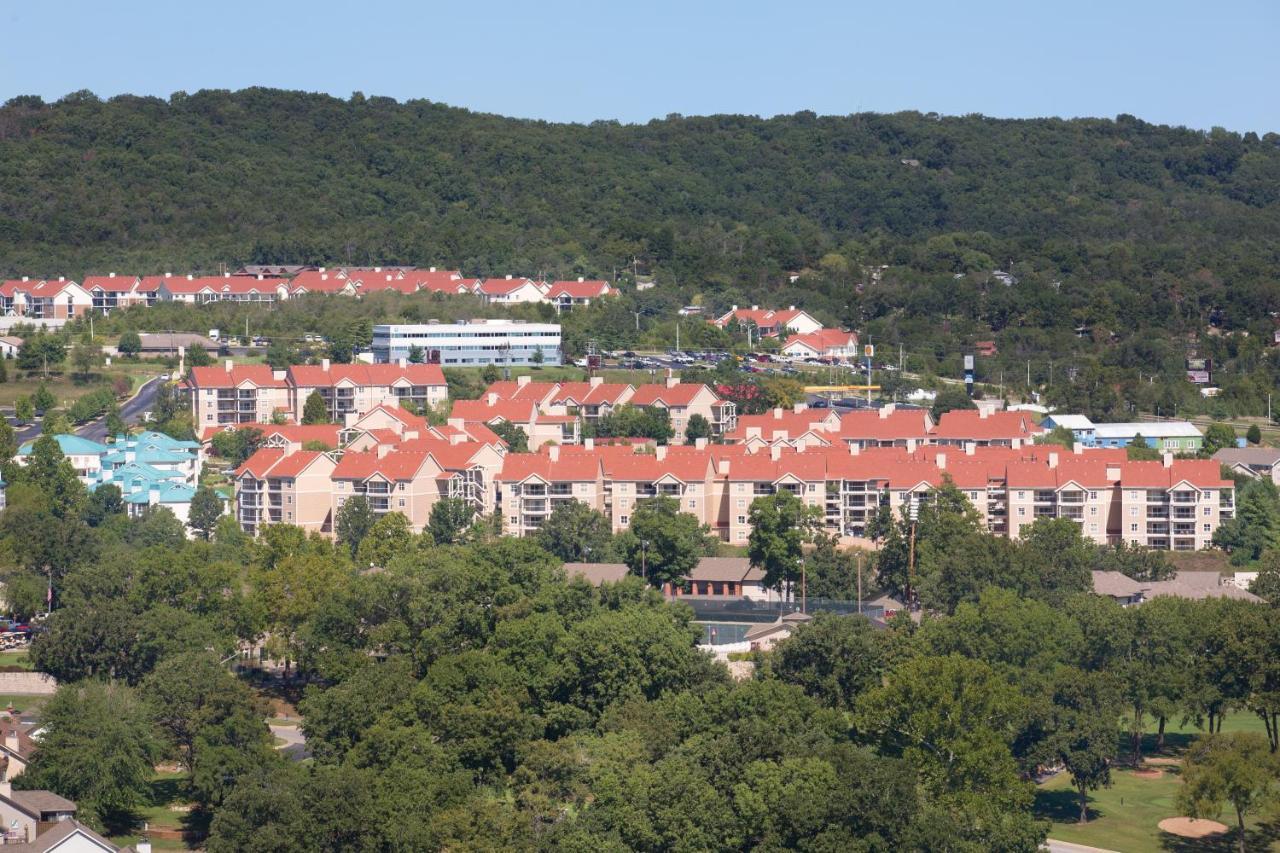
[295, 743]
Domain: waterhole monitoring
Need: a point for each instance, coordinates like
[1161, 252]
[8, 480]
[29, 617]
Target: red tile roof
[897, 425]
[503, 286]
[510, 389]
[216, 376]
[823, 340]
[577, 467]
[222, 284]
[396, 465]
[111, 283]
[260, 462]
[369, 375]
[295, 463]
[972, 425]
[584, 393]
[589, 289]
[512, 411]
[680, 394]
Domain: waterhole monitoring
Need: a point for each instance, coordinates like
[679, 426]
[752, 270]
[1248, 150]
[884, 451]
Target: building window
[1093, 496]
[1093, 510]
[742, 519]
[1093, 528]
[1206, 528]
[1022, 510]
[693, 504]
[1206, 510]
[1021, 495]
[402, 503]
[1133, 528]
[624, 519]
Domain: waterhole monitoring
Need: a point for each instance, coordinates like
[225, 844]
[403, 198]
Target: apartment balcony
[1154, 497]
[379, 504]
[1185, 497]
[532, 491]
[1075, 513]
[532, 522]
[1157, 529]
[1184, 530]
[762, 489]
[1045, 497]
[1184, 513]
[1184, 544]
[1071, 497]
[535, 506]
[561, 490]
[1157, 512]
[1044, 512]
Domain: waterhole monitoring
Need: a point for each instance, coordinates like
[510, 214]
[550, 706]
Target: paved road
[1054, 846]
[131, 412]
[295, 743]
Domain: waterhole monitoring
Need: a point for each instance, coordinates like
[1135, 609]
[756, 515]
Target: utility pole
[1028, 374]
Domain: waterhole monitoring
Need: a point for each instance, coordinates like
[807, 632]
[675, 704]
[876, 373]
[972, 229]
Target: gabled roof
[679, 394]
[111, 283]
[580, 289]
[222, 284]
[823, 340]
[577, 467]
[217, 376]
[512, 411]
[505, 286]
[974, 425]
[396, 466]
[510, 389]
[70, 445]
[585, 393]
[317, 281]
[367, 375]
[260, 462]
[897, 425]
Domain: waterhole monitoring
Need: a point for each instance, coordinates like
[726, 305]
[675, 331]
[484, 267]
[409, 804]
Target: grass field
[167, 814]
[65, 389]
[1124, 817]
[19, 658]
[23, 702]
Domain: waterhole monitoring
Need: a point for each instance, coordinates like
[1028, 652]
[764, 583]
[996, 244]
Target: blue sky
[1197, 64]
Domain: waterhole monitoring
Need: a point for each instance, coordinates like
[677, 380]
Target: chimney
[62, 278]
[324, 365]
[26, 278]
[888, 409]
[941, 461]
[588, 443]
[382, 450]
[672, 379]
[491, 398]
[777, 413]
[755, 307]
[660, 452]
[190, 277]
[278, 375]
[1053, 460]
[854, 448]
[377, 269]
[597, 381]
[259, 276]
[322, 269]
[580, 278]
[1113, 472]
[799, 407]
[722, 467]
[11, 740]
[1167, 459]
[775, 451]
[228, 364]
[698, 443]
[735, 308]
[111, 275]
[433, 269]
[553, 452]
[508, 276]
[911, 445]
[970, 447]
[402, 362]
[983, 412]
[324, 276]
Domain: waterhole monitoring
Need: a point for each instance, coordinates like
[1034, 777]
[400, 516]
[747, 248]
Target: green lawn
[167, 812]
[22, 702]
[1124, 817]
[17, 658]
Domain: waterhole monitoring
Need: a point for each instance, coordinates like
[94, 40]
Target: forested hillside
[1134, 234]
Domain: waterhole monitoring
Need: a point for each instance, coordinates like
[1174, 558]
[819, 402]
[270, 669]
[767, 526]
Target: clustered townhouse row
[846, 467]
[62, 298]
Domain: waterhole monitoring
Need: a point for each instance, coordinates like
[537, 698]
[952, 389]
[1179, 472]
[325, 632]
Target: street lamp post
[914, 515]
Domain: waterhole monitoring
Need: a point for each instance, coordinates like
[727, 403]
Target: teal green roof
[70, 444]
